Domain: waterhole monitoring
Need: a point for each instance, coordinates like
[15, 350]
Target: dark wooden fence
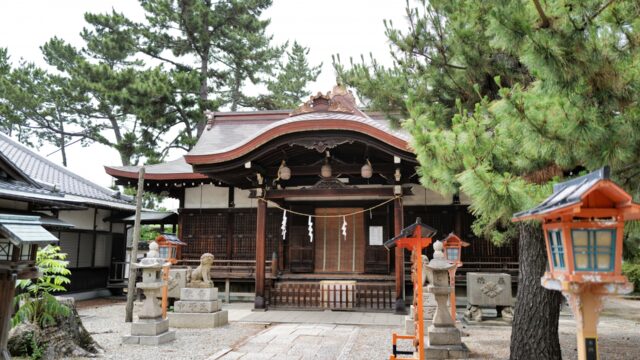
[306, 295]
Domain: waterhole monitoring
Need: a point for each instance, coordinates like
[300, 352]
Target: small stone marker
[151, 328]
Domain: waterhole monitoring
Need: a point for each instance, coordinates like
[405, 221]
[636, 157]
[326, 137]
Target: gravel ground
[619, 336]
[106, 324]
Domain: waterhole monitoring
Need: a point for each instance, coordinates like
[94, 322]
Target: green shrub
[632, 271]
[37, 304]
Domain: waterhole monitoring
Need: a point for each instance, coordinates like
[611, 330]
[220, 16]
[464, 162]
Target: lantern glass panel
[25, 252]
[581, 249]
[453, 254]
[6, 250]
[557, 249]
[594, 249]
[174, 254]
[164, 252]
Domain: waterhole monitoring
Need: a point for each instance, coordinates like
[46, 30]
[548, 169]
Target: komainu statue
[201, 276]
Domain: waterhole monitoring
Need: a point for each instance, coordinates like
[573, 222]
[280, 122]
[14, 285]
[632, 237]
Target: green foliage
[37, 304]
[149, 233]
[632, 272]
[288, 89]
[501, 103]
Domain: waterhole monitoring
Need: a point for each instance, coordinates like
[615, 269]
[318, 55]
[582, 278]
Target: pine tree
[505, 97]
[289, 87]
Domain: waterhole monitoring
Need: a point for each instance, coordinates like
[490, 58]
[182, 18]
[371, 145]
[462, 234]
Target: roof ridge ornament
[339, 99]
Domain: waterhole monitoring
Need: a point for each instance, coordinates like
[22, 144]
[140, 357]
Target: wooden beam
[346, 169]
[398, 222]
[347, 192]
[261, 232]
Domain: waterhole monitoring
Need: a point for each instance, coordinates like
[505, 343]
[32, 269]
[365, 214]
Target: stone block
[149, 327]
[198, 320]
[150, 340]
[189, 306]
[489, 289]
[199, 294]
[444, 336]
[159, 339]
[178, 277]
[409, 325]
[446, 352]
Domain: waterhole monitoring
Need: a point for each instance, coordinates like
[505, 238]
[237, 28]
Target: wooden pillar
[261, 232]
[7, 291]
[398, 222]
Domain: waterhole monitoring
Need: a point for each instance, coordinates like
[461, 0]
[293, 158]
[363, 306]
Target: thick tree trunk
[534, 334]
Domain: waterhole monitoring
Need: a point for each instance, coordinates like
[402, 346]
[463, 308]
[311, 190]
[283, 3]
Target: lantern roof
[578, 193]
[170, 238]
[453, 238]
[410, 231]
[23, 229]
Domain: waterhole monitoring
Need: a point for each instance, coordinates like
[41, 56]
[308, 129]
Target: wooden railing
[376, 297]
[228, 269]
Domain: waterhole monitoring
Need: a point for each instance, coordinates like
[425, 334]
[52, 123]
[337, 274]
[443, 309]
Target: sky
[349, 28]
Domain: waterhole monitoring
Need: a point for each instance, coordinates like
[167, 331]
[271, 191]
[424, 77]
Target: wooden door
[335, 252]
[300, 248]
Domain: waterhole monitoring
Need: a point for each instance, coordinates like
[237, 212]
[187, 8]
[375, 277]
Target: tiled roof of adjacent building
[67, 186]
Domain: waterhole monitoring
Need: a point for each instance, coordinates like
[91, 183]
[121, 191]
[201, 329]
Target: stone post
[151, 328]
[443, 339]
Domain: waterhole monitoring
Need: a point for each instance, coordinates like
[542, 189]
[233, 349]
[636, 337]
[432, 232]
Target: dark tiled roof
[567, 193]
[44, 171]
[229, 131]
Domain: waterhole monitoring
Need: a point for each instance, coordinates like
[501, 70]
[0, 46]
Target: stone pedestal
[198, 308]
[429, 309]
[151, 328]
[488, 291]
[443, 338]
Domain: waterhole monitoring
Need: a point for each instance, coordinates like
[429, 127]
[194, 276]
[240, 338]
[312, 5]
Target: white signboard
[375, 235]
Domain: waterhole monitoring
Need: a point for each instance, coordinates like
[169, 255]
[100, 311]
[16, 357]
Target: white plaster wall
[242, 200]
[82, 219]
[206, 196]
[12, 204]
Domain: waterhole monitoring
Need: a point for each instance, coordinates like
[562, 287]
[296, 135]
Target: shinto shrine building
[347, 181]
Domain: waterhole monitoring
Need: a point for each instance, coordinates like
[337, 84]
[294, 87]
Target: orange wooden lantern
[169, 247]
[414, 238]
[583, 223]
[453, 252]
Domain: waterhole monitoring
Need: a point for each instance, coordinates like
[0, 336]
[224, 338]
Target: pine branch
[543, 17]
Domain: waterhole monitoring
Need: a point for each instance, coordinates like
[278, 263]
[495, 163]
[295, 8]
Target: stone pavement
[295, 341]
[323, 317]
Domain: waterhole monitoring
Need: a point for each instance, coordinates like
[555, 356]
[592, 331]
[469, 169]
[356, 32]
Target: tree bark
[534, 334]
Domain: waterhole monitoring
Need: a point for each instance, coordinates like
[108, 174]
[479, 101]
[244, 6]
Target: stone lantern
[151, 328]
[20, 237]
[583, 224]
[443, 336]
[453, 252]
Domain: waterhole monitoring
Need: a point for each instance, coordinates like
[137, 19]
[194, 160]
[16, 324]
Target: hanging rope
[276, 205]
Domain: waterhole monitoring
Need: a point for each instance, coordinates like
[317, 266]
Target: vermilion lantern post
[453, 252]
[583, 223]
[415, 238]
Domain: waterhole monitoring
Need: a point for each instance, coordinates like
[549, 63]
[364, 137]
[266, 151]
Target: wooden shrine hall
[296, 205]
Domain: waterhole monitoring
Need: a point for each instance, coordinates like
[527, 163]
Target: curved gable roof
[226, 140]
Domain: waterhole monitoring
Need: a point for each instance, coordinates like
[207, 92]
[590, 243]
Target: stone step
[198, 320]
